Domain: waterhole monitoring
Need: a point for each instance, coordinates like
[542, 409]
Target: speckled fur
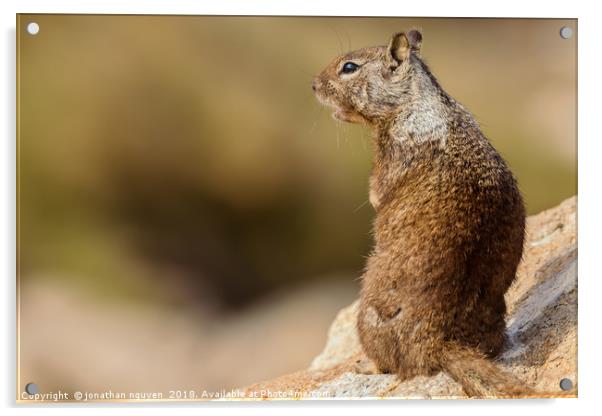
[449, 223]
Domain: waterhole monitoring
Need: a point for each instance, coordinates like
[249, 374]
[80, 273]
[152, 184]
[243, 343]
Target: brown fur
[449, 223]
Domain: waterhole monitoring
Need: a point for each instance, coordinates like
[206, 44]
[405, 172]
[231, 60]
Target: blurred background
[191, 217]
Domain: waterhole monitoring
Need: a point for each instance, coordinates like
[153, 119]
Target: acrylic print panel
[193, 222]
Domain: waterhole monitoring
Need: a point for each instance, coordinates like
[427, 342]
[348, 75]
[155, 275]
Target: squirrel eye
[349, 68]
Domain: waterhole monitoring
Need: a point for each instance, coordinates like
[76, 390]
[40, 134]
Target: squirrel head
[369, 85]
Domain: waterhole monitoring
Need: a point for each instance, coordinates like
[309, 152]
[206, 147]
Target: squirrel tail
[479, 376]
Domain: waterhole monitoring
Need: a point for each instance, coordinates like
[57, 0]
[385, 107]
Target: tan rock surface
[542, 326]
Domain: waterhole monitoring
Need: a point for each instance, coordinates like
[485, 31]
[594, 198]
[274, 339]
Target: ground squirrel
[449, 223]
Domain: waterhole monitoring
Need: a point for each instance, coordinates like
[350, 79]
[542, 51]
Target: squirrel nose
[313, 85]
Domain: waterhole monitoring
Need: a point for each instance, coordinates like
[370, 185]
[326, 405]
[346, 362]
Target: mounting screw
[566, 384]
[566, 32]
[33, 28]
[31, 388]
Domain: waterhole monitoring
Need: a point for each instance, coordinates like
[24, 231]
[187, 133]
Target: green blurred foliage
[184, 158]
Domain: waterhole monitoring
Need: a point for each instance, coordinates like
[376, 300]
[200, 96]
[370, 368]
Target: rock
[541, 324]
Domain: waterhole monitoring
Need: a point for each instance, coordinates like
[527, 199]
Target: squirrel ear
[402, 44]
[415, 39]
